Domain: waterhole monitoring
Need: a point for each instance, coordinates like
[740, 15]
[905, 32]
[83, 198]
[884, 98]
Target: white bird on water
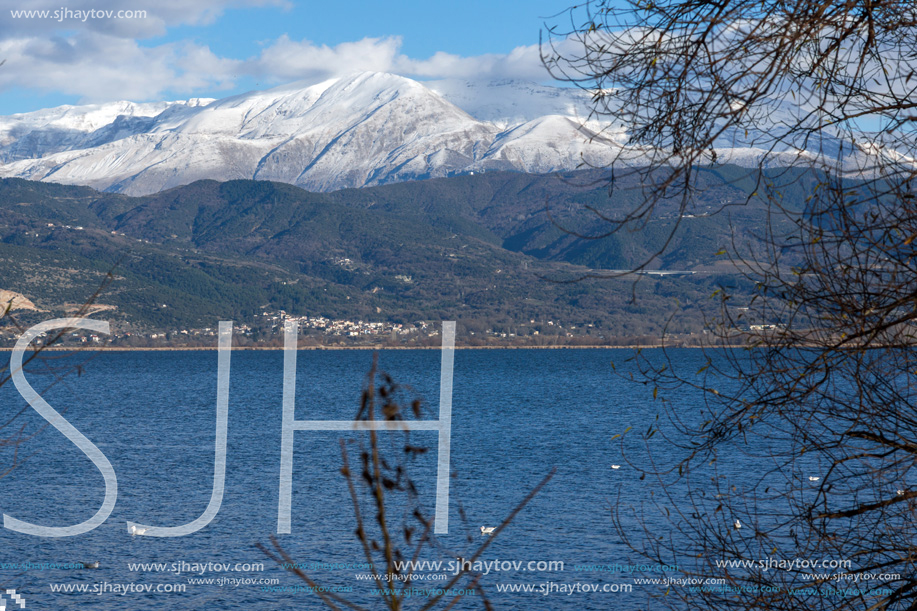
[901, 493]
[814, 479]
[615, 466]
[137, 531]
[90, 565]
[487, 530]
[738, 525]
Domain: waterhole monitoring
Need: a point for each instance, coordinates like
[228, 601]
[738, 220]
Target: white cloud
[100, 66]
[103, 68]
[520, 63]
[289, 60]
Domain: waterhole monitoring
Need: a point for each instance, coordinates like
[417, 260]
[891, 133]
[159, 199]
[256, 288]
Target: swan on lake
[487, 530]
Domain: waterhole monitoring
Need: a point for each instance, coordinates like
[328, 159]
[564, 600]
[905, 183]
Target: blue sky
[215, 48]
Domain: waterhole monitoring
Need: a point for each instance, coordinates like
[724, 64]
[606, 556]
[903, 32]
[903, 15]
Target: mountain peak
[360, 129]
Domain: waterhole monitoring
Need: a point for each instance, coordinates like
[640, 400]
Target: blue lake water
[516, 415]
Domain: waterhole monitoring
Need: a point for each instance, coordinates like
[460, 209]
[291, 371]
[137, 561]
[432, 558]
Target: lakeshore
[355, 347]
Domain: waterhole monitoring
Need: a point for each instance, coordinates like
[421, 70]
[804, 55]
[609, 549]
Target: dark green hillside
[544, 216]
[480, 249]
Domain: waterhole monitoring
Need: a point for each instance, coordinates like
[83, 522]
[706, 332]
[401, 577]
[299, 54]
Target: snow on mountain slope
[360, 130]
[365, 129]
[546, 143]
[43, 132]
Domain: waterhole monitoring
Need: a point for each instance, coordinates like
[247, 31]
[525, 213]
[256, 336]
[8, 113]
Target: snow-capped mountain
[365, 129]
[44, 132]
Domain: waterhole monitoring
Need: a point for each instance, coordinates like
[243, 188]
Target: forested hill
[492, 250]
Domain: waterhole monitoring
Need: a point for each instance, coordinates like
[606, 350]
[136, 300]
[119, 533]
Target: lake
[517, 414]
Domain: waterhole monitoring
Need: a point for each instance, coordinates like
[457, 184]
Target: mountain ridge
[479, 249]
[362, 130]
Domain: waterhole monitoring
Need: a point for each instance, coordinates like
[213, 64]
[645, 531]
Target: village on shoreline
[318, 332]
